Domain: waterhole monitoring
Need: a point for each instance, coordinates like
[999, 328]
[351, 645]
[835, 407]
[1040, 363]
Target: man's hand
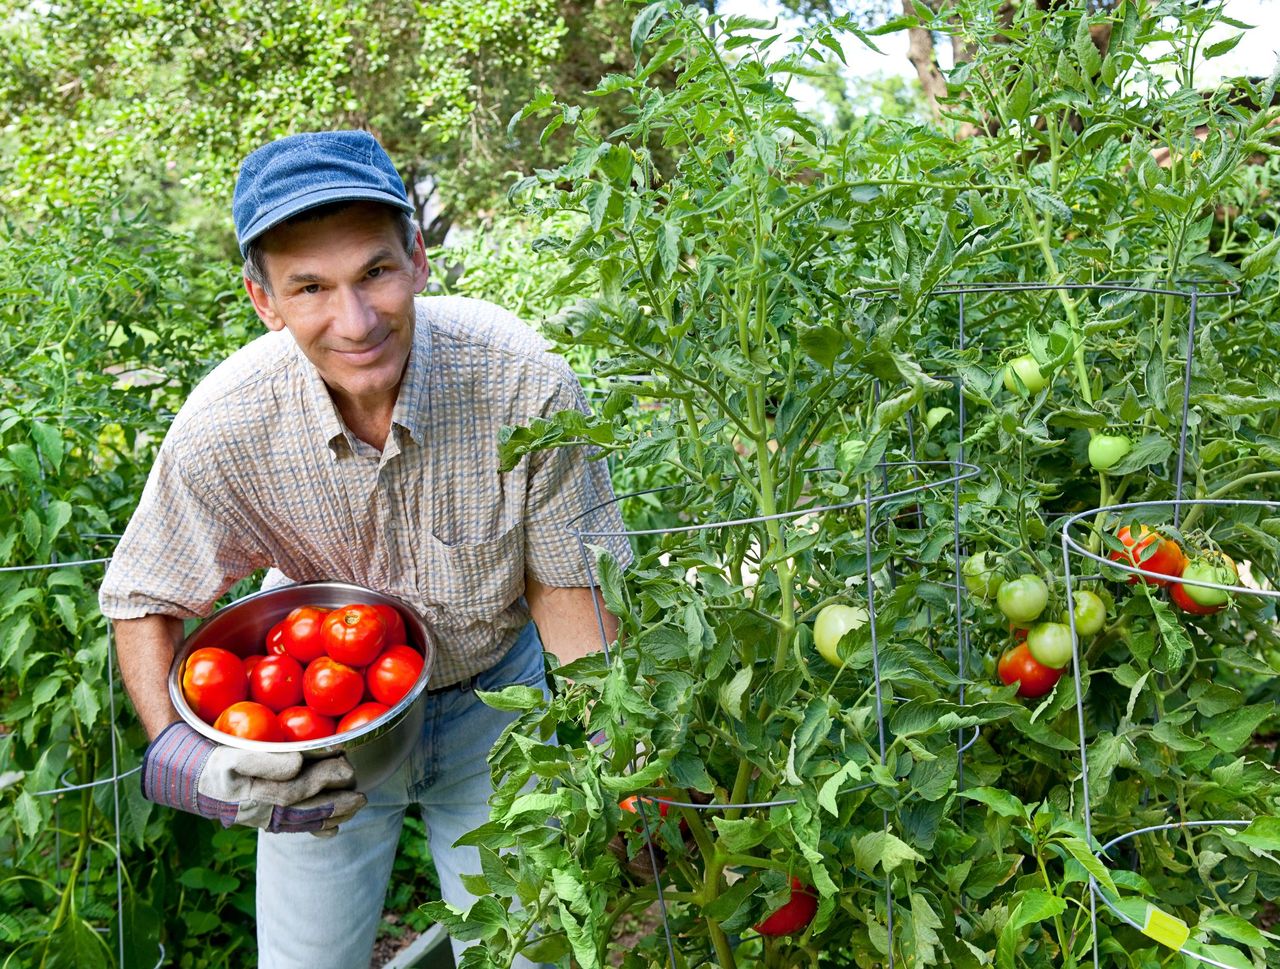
[273, 791]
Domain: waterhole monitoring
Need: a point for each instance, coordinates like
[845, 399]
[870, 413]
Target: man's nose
[355, 317]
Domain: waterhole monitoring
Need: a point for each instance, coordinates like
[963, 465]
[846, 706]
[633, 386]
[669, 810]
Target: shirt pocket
[476, 580]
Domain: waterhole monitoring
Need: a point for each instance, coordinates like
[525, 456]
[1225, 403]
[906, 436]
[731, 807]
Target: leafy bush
[783, 294]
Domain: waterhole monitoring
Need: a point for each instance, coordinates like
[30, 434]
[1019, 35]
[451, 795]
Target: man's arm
[566, 619]
[146, 649]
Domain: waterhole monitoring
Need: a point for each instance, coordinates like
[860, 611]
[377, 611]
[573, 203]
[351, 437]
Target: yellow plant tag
[1166, 929]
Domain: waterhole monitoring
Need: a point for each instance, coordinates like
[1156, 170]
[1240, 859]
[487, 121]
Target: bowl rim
[334, 743]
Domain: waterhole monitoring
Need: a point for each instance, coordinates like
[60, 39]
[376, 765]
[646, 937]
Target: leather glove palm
[263, 789]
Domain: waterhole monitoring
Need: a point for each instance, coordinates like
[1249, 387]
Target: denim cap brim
[303, 171]
[284, 212]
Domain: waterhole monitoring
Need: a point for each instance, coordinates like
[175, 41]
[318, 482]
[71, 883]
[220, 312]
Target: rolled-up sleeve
[570, 497]
[179, 553]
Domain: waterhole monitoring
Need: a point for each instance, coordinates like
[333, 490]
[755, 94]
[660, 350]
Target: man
[356, 441]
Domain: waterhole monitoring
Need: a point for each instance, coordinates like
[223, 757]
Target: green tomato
[1023, 599]
[1028, 372]
[1050, 644]
[1106, 450]
[832, 623]
[1091, 613]
[982, 574]
[1219, 569]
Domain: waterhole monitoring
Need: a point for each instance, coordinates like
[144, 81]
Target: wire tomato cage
[1147, 917]
[870, 502]
[1161, 926]
[113, 780]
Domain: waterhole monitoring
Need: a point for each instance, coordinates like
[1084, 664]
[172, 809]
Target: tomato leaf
[883, 849]
[731, 693]
[1150, 449]
[1262, 833]
[49, 441]
[742, 835]
[1002, 802]
[1050, 204]
[643, 26]
[1231, 730]
[1089, 862]
[1222, 47]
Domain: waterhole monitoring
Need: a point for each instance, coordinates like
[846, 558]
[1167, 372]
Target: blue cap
[303, 171]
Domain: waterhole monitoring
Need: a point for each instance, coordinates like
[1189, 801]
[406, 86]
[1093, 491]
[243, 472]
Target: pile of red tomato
[320, 672]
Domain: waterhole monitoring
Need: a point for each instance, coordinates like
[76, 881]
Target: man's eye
[311, 289]
[375, 272]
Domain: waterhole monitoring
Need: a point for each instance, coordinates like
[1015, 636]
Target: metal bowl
[376, 749]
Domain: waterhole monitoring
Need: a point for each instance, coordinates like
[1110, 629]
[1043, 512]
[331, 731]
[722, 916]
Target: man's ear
[263, 305]
[421, 268]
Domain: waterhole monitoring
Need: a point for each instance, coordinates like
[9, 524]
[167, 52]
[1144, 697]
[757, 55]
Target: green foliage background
[699, 246]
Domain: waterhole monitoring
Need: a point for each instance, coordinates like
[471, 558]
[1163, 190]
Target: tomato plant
[354, 634]
[772, 310]
[330, 687]
[212, 680]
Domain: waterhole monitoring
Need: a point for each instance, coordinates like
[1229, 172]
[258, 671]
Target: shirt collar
[330, 423]
[410, 402]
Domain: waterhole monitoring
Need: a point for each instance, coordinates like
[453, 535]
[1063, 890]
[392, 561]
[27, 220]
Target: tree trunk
[920, 53]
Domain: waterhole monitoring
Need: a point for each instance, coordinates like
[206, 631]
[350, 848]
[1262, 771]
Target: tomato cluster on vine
[319, 672]
[1043, 649]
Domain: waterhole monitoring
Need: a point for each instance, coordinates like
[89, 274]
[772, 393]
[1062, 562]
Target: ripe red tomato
[795, 913]
[248, 720]
[275, 639]
[303, 723]
[364, 713]
[249, 663]
[1019, 666]
[212, 680]
[396, 633]
[330, 687]
[304, 633]
[1167, 558]
[276, 682]
[354, 634]
[392, 675]
[629, 804]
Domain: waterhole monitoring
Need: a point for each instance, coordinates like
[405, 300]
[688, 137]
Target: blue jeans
[320, 899]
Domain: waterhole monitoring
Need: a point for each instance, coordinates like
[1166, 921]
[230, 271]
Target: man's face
[344, 287]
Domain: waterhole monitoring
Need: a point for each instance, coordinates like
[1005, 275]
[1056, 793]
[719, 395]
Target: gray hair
[255, 269]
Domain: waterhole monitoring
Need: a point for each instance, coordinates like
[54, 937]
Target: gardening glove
[263, 789]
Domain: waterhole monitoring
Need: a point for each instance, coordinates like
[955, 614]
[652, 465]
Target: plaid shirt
[259, 471]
